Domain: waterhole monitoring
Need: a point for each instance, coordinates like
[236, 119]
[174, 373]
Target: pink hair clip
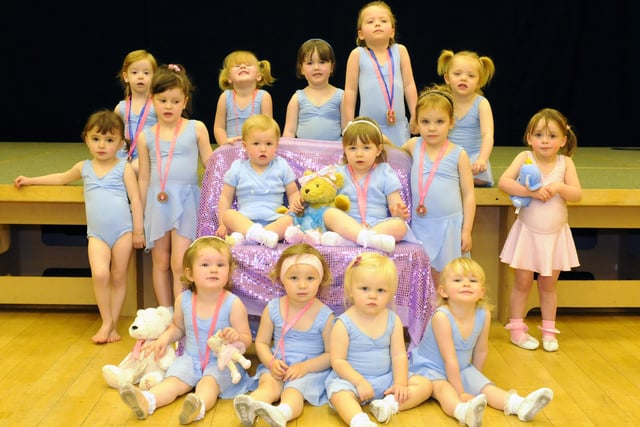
[174, 67]
[356, 261]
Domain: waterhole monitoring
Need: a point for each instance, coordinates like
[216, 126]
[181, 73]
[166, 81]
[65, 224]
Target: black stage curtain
[60, 61]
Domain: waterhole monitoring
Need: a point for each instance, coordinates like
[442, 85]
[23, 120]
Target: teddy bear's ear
[339, 180]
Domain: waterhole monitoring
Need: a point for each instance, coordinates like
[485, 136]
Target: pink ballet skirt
[540, 239]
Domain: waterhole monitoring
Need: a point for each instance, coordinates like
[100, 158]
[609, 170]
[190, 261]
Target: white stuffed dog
[135, 368]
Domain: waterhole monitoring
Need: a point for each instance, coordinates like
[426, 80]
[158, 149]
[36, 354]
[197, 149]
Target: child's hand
[229, 334]
[465, 397]
[400, 210]
[295, 371]
[400, 392]
[278, 369]
[295, 203]
[365, 391]
[478, 166]
[138, 241]
[221, 231]
[543, 194]
[21, 181]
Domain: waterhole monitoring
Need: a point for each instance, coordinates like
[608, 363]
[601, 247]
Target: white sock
[460, 411]
[370, 239]
[151, 399]
[286, 410]
[202, 411]
[360, 420]
[257, 233]
[513, 403]
[331, 238]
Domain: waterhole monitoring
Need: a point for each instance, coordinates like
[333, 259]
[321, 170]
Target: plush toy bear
[531, 178]
[228, 355]
[319, 191]
[135, 367]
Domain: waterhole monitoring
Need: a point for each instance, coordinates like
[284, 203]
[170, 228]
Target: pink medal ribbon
[133, 135]
[204, 359]
[362, 193]
[162, 196]
[423, 187]
[391, 114]
[237, 112]
[288, 325]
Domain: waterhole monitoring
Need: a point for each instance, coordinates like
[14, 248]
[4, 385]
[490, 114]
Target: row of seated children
[309, 355]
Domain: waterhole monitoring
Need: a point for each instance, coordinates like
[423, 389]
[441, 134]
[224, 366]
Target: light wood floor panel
[50, 376]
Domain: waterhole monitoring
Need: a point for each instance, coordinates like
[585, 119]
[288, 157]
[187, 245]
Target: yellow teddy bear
[319, 191]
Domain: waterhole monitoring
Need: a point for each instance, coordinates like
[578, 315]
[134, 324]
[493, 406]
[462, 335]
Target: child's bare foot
[114, 336]
[102, 336]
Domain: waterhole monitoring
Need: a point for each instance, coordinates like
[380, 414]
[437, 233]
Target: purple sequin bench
[416, 293]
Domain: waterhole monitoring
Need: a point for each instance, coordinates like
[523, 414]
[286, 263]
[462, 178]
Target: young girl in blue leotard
[114, 214]
[368, 354]
[242, 79]
[315, 112]
[205, 307]
[379, 69]
[292, 341]
[454, 349]
[168, 178]
[136, 109]
[373, 188]
[465, 74]
[442, 190]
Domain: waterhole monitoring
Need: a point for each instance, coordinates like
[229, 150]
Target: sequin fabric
[416, 293]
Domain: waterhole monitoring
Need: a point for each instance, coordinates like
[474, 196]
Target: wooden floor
[50, 375]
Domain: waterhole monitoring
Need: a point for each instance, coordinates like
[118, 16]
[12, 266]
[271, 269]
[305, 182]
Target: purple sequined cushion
[416, 293]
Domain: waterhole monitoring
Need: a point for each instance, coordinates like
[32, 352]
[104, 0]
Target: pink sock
[517, 329]
[548, 329]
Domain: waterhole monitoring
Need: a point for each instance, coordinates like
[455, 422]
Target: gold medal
[163, 197]
[391, 117]
[421, 210]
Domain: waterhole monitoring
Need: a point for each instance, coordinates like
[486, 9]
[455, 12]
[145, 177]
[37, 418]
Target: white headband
[308, 259]
[353, 122]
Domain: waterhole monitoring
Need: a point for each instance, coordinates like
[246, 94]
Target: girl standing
[241, 79]
[373, 188]
[540, 239]
[441, 183]
[136, 109]
[315, 112]
[454, 349]
[205, 307]
[465, 74]
[369, 331]
[114, 214]
[379, 69]
[168, 178]
[292, 341]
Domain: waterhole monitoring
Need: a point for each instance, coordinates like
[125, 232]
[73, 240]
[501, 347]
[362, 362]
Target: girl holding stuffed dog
[373, 188]
[203, 308]
[540, 239]
[292, 341]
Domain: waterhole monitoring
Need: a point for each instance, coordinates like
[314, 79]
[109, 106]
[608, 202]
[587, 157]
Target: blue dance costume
[427, 361]
[106, 203]
[320, 122]
[300, 346]
[373, 97]
[237, 116]
[370, 357]
[466, 133]
[259, 195]
[440, 231]
[187, 367]
[181, 209]
[131, 124]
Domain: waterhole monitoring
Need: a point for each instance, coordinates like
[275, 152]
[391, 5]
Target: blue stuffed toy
[531, 178]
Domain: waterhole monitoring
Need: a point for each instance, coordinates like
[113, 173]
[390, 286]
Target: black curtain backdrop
[59, 61]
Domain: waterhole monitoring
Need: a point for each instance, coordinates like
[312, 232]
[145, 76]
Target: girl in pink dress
[540, 240]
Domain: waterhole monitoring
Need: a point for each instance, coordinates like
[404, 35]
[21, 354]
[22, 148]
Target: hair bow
[327, 173]
[174, 67]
